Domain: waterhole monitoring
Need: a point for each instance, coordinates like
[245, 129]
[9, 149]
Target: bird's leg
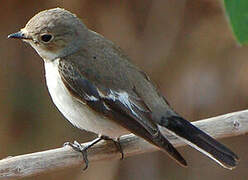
[83, 149]
[117, 144]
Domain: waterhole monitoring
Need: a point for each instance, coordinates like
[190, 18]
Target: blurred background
[186, 47]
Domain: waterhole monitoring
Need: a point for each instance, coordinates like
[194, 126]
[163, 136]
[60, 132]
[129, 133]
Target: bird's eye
[46, 37]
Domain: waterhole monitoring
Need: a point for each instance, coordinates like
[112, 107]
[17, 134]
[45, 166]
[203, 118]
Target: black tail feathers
[200, 141]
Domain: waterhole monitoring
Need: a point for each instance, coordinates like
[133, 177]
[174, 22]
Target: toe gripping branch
[83, 149]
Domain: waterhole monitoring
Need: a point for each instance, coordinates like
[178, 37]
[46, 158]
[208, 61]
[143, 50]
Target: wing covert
[104, 99]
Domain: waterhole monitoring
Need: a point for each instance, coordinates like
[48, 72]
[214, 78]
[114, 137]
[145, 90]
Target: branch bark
[228, 125]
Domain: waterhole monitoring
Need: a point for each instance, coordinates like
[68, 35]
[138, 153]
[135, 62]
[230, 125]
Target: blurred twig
[228, 125]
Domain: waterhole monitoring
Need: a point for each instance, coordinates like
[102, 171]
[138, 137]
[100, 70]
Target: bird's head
[53, 33]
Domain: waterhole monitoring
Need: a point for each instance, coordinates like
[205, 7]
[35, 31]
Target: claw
[117, 144]
[78, 147]
[86, 161]
[83, 149]
[66, 144]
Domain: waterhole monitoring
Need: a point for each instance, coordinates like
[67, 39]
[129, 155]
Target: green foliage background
[237, 11]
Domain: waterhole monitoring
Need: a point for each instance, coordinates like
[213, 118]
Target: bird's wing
[127, 110]
[106, 64]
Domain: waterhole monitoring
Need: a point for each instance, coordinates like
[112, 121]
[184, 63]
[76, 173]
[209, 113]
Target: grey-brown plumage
[97, 88]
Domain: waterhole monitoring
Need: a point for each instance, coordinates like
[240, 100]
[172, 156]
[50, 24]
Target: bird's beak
[19, 35]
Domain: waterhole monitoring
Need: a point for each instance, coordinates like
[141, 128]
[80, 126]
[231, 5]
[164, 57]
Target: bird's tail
[200, 141]
[161, 142]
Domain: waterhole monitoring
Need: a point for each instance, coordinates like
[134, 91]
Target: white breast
[77, 113]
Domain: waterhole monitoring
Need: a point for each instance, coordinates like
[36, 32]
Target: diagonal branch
[228, 125]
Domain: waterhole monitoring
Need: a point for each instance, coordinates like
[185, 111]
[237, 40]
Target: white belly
[77, 113]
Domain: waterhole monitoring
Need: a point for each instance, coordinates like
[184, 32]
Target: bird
[97, 88]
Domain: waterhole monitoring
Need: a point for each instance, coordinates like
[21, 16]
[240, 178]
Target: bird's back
[102, 62]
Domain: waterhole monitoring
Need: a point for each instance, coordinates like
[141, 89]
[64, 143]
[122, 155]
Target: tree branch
[228, 125]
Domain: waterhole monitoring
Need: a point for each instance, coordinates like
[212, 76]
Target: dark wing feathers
[129, 111]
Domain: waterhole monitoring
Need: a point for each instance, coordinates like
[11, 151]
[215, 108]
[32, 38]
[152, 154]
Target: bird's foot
[83, 149]
[117, 144]
[78, 147]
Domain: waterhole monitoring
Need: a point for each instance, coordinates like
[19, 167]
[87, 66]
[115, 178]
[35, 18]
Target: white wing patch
[123, 97]
[92, 98]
